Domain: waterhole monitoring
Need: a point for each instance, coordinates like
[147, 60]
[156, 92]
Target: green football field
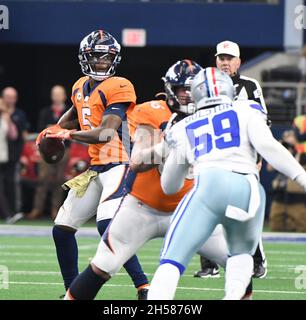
[34, 272]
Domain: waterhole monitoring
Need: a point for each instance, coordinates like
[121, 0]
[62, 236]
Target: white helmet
[210, 87]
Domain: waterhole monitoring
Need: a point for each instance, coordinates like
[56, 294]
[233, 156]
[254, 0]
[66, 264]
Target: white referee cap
[228, 47]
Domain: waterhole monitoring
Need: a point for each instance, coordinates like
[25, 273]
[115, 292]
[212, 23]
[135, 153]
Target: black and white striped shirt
[248, 88]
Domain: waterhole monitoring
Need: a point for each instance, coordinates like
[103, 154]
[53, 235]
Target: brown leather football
[51, 150]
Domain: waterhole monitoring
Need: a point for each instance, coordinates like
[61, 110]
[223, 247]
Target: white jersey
[227, 136]
[218, 137]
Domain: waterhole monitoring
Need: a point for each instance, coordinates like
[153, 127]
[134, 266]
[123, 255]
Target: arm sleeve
[270, 149]
[174, 172]
[118, 109]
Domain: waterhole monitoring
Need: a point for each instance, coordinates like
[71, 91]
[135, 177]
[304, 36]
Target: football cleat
[209, 269]
[142, 294]
[18, 216]
[248, 296]
[260, 269]
[208, 273]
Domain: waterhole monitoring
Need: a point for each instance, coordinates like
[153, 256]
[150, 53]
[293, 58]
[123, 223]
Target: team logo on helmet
[177, 82]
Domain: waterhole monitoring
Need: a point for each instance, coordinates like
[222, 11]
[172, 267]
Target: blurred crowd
[288, 209]
[21, 168]
[287, 212]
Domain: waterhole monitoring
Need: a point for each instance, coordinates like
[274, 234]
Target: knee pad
[106, 260]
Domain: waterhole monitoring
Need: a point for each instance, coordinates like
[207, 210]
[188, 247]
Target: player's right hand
[50, 130]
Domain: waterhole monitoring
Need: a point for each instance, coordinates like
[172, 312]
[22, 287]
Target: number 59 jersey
[219, 137]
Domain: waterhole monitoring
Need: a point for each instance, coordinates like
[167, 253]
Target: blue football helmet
[177, 83]
[99, 55]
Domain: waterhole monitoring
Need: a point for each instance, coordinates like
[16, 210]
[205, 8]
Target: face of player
[101, 62]
[183, 95]
[228, 64]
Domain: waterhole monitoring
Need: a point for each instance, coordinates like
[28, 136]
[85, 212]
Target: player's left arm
[147, 151]
[274, 152]
[174, 172]
[150, 148]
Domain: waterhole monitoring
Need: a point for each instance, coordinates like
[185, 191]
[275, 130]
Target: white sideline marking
[51, 261]
[95, 246]
[56, 273]
[145, 263]
[285, 253]
[131, 286]
[42, 246]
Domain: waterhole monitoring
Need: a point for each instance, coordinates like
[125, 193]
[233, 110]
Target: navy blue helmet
[177, 85]
[99, 55]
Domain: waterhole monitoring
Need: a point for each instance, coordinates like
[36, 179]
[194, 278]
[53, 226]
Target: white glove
[162, 148]
[170, 123]
[301, 180]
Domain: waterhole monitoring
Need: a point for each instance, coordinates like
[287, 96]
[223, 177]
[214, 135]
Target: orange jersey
[91, 105]
[146, 185]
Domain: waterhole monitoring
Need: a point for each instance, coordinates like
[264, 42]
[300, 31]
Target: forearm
[273, 152]
[281, 159]
[174, 174]
[148, 158]
[94, 136]
[173, 178]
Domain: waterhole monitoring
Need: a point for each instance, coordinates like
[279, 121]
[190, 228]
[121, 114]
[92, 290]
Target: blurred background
[39, 64]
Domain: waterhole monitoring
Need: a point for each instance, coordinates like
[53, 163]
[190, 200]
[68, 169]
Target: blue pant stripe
[171, 232]
[176, 264]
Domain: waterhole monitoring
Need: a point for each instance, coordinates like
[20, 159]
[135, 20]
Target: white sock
[164, 282]
[239, 270]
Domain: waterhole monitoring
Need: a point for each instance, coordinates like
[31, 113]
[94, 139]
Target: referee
[228, 60]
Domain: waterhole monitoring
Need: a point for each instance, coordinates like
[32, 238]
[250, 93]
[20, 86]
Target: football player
[228, 60]
[220, 141]
[101, 105]
[145, 210]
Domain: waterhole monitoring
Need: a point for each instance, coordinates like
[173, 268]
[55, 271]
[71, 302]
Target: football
[51, 150]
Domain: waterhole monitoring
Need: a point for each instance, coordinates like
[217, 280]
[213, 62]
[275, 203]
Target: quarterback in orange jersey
[101, 105]
[145, 211]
